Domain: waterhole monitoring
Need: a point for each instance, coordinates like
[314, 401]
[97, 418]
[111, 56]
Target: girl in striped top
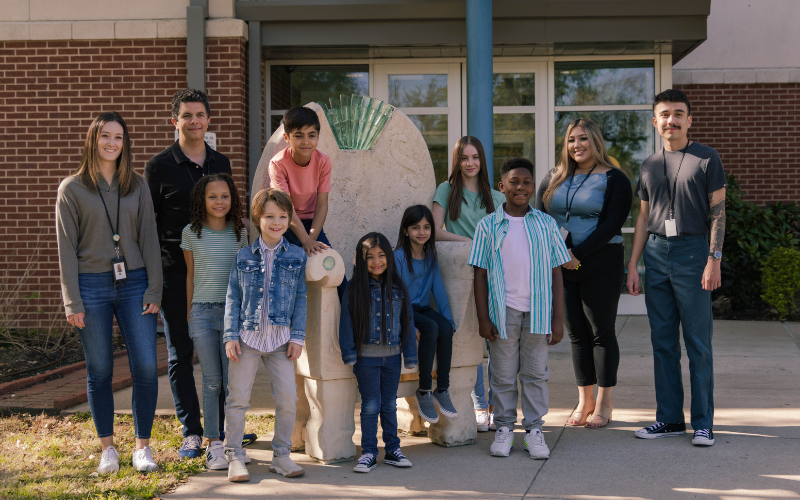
[210, 242]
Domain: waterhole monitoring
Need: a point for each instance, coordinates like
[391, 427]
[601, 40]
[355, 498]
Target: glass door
[430, 95]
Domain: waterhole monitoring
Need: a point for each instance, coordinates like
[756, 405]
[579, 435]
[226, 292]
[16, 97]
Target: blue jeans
[378, 380]
[103, 300]
[206, 329]
[181, 354]
[322, 238]
[675, 297]
[479, 401]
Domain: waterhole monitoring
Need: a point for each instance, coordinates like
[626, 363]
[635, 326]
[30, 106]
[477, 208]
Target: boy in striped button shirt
[519, 296]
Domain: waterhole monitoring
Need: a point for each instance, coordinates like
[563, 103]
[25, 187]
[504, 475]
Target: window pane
[293, 86]
[434, 131]
[514, 89]
[418, 91]
[604, 83]
[514, 135]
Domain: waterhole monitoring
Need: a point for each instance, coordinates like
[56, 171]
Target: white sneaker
[492, 427]
[109, 461]
[503, 442]
[246, 457]
[535, 445]
[215, 456]
[237, 471]
[285, 467]
[482, 419]
[143, 460]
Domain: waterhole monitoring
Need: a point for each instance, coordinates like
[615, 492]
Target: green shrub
[780, 281]
[752, 234]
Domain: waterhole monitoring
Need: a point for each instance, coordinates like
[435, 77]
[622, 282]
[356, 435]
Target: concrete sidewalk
[756, 456]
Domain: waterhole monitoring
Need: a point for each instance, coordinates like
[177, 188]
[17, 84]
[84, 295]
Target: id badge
[564, 233]
[671, 227]
[120, 273]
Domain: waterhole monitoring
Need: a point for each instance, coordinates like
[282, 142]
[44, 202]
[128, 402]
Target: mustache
[675, 126]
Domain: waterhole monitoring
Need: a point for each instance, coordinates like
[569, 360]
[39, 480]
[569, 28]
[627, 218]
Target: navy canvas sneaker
[703, 437]
[427, 410]
[444, 403]
[396, 458]
[190, 447]
[660, 430]
[366, 463]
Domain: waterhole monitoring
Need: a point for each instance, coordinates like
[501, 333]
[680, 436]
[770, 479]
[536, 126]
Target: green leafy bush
[780, 281]
[753, 234]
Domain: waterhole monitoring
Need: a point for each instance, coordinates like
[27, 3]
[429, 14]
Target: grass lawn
[57, 457]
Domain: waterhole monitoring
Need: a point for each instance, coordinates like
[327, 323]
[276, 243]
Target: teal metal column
[479, 78]
[196, 14]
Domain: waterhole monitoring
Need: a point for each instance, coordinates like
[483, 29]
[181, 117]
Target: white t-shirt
[515, 252]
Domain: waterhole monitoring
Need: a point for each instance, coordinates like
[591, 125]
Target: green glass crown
[356, 121]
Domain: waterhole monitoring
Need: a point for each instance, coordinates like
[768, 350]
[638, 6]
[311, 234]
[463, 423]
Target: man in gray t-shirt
[682, 189]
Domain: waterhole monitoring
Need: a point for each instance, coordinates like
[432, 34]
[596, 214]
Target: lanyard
[675, 184]
[569, 201]
[188, 171]
[113, 231]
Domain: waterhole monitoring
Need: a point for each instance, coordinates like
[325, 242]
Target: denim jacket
[287, 291]
[393, 325]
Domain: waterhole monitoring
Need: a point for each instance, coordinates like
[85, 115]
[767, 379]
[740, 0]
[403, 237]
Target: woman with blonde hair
[111, 267]
[589, 197]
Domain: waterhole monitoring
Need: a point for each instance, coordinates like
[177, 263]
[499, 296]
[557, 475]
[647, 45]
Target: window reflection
[514, 135]
[418, 91]
[434, 130]
[514, 89]
[585, 83]
[293, 86]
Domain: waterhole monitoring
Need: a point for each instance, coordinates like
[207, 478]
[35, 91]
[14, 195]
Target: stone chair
[371, 189]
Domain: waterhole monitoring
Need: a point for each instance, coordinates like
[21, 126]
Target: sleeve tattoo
[717, 218]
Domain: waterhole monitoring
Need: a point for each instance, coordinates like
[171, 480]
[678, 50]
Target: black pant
[181, 354]
[436, 338]
[591, 296]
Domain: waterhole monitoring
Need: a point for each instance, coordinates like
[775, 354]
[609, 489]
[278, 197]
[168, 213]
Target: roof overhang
[437, 28]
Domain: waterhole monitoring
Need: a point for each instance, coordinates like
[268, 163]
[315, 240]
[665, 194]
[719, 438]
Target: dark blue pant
[103, 300]
[675, 298]
[322, 238]
[435, 339]
[378, 380]
[181, 353]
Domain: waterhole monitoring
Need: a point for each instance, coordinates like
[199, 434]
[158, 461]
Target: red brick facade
[50, 91]
[754, 127]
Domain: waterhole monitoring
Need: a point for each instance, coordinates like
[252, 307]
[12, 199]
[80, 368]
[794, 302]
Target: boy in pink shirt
[305, 173]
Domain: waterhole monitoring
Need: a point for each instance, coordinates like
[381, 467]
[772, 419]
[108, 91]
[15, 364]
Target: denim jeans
[479, 400]
[206, 329]
[103, 300]
[378, 380]
[322, 238]
[522, 354]
[240, 382]
[180, 349]
[675, 297]
[436, 340]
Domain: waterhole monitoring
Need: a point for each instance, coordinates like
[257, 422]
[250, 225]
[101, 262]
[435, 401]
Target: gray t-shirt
[700, 175]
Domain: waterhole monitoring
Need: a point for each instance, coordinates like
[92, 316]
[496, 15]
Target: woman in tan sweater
[111, 267]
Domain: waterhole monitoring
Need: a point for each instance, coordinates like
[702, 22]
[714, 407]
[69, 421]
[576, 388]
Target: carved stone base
[330, 427]
[463, 429]
[302, 415]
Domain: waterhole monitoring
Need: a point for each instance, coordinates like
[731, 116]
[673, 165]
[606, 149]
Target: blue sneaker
[444, 403]
[427, 410]
[191, 446]
[249, 438]
[397, 459]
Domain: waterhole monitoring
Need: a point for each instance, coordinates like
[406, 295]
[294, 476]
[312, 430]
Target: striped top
[547, 252]
[268, 337]
[213, 253]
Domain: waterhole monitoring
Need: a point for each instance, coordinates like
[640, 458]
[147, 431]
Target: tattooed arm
[712, 276]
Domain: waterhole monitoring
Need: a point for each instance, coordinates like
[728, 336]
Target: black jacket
[616, 207]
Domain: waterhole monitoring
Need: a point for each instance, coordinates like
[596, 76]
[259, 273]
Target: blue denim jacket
[287, 291]
[393, 325]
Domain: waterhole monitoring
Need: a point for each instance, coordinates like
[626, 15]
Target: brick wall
[755, 128]
[50, 91]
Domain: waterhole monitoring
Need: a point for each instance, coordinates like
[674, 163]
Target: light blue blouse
[586, 206]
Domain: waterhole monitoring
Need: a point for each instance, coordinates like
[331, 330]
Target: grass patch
[56, 458]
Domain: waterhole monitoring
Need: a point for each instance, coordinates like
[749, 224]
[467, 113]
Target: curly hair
[189, 95]
[197, 204]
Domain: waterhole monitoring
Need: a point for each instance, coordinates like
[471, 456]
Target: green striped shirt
[214, 253]
[547, 251]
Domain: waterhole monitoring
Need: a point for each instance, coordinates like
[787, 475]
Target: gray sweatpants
[525, 354]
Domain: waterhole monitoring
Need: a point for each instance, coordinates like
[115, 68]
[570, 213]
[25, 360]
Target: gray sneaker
[427, 410]
[442, 400]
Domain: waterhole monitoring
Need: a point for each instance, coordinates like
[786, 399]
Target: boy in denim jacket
[265, 321]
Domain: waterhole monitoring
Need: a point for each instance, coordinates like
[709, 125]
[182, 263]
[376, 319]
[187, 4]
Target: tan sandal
[603, 424]
[581, 422]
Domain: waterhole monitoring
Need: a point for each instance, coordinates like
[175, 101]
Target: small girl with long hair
[415, 255]
[375, 327]
[458, 205]
[210, 241]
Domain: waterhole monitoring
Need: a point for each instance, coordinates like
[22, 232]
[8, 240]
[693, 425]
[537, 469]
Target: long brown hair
[456, 180]
[88, 172]
[566, 167]
[197, 205]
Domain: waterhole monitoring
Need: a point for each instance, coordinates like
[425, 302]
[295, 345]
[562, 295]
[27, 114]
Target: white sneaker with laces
[215, 456]
[237, 470]
[143, 460]
[285, 467]
[109, 461]
[503, 442]
[535, 445]
[482, 419]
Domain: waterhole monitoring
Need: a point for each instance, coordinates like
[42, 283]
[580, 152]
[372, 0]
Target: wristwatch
[715, 255]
